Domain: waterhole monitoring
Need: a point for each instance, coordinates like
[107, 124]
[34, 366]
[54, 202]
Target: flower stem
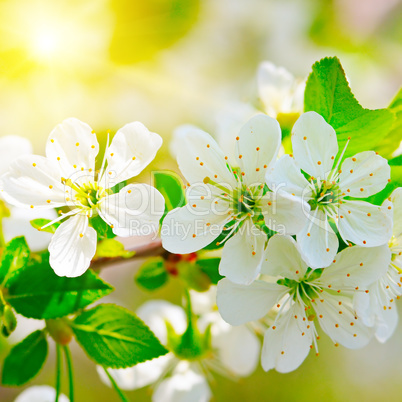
[69, 361]
[58, 371]
[115, 386]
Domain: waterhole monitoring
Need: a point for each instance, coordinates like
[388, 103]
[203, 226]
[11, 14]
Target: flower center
[325, 196]
[85, 195]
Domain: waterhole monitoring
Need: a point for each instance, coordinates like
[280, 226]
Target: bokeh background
[169, 62]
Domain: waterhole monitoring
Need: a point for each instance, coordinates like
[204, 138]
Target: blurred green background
[168, 62]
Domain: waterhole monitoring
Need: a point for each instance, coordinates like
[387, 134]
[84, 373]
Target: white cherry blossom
[327, 186]
[378, 308]
[234, 353]
[232, 199]
[67, 177]
[279, 91]
[40, 393]
[304, 297]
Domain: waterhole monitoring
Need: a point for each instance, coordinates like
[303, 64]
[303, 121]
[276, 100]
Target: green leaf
[171, 187]
[15, 256]
[39, 223]
[110, 248]
[392, 141]
[328, 93]
[211, 267]
[114, 337]
[152, 274]
[103, 230]
[25, 360]
[37, 292]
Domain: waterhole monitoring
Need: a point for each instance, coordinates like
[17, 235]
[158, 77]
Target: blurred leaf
[103, 230]
[25, 359]
[15, 256]
[211, 267]
[38, 223]
[193, 276]
[115, 337]
[37, 292]
[110, 248]
[328, 93]
[171, 187]
[145, 27]
[152, 274]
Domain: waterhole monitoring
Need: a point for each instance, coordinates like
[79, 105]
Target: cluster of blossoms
[301, 248]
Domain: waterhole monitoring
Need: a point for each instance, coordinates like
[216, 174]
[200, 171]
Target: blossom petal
[132, 149]
[183, 386]
[386, 323]
[33, 181]
[40, 393]
[138, 376]
[363, 175]
[282, 258]
[72, 247]
[275, 88]
[284, 213]
[314, 144]
[345, 328]
[318, 242]
[239, 304]
[73, 147]
[257, 148]
[199, 156]
[364, 224]
[155, 313]
[357, 267]
[11, 148]
[287, 343]
[134, 211]
[242, 254]
[191, 228]
[285, 175]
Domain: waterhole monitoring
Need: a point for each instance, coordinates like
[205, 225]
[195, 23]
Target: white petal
[396, 199]
[318, 242]
[199, 156]
[33, 181]
[286, 176]
[40, 393]
[134, 211]
[363, 175]
[343, 327]
[357, 267]
[242, 254]
[72, 247]
[239, 304]
[284, 213]
[131, 151]
[191, 228]
[314, 144]
[257, 147]
[11, 148]
[275, 85]
[72, 146]
[386, 323]
[156, 313]
[364, 224]
[282, 258]
[18, 224]
[238, 348]
[287, 343]
[178, 133]
[139, 376]
[187, 386]
[203, 302]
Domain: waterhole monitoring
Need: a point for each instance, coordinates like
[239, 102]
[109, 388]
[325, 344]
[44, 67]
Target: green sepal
[210, 266]
[112, 248]
[9, 321]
